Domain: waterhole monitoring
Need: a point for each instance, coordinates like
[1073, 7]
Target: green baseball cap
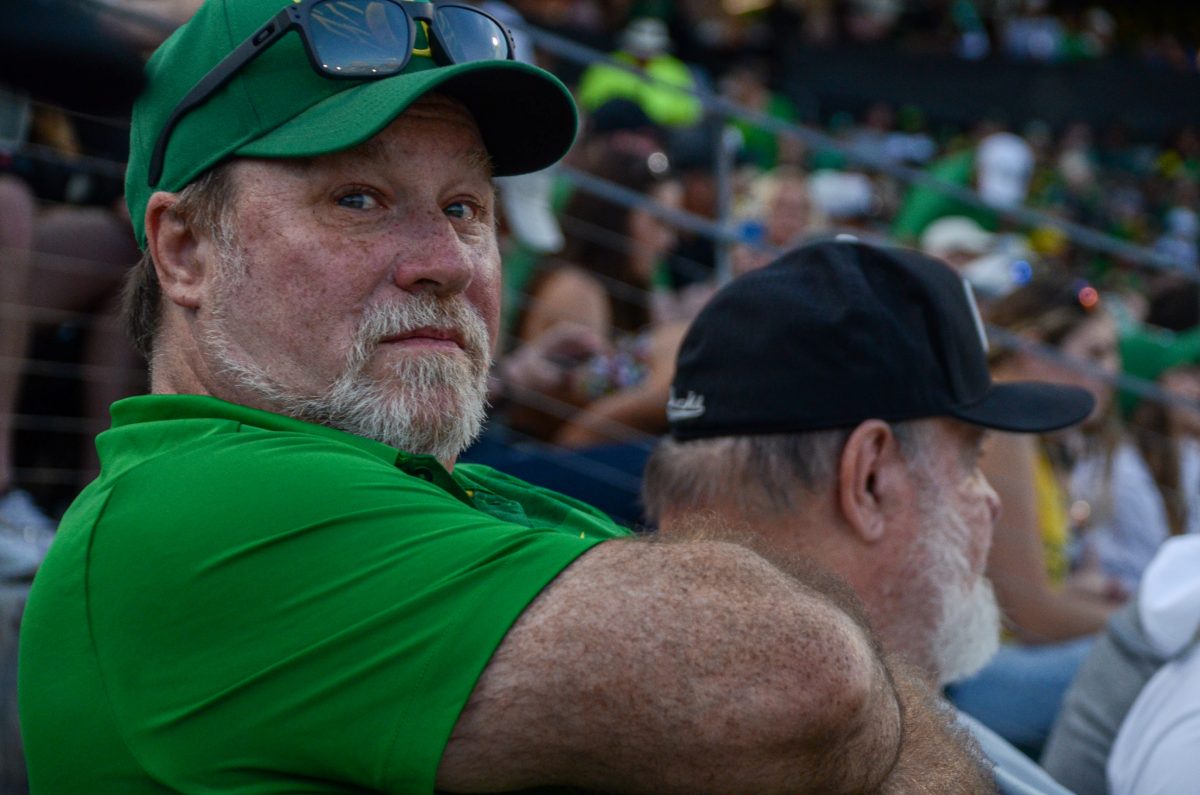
[1148, 352]
[278, 106]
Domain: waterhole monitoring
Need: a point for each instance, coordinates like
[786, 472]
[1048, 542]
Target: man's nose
[435, 259]
[993, 501]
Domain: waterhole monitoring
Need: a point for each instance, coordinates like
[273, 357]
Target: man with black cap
[281, 582]
[831, 407]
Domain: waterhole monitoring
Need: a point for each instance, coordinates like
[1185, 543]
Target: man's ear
[176, 251]
[867, 478]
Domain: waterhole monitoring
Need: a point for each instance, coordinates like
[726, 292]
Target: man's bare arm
[678, 668]
[937, 755]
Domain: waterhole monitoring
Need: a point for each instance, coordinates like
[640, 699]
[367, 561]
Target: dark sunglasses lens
[359, 38]
[467, 35]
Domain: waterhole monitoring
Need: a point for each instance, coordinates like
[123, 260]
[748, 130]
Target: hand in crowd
[1094, 583]
[544, 364]
[621, 415]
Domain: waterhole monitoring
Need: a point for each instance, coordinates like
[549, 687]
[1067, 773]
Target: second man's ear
[868, 470]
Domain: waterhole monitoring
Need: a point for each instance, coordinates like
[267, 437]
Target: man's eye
[358, 201]
[462, 210]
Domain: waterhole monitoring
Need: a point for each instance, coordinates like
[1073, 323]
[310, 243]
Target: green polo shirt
[246, 603]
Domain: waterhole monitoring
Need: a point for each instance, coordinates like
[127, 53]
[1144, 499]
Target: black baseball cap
[837, 332]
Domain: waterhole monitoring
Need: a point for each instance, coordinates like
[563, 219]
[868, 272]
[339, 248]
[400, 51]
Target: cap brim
[526, 116]
[1028, 407]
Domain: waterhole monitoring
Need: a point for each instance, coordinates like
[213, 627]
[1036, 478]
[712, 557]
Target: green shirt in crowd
[248, 603]
[657, 89]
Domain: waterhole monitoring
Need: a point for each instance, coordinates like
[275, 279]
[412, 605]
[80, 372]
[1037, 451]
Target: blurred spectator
[870, 21]
[998, 167]
[1131, 720]
[1003, 168]
[1050, 610]
[973, 40]
[17, 211]
[1173, 302]
[746, 83]
[1178, 242]
[791, 214]
[957, 240]
[76, 249]
[879, 139]
[1089, 36]
[1076, 162]
[870, 138]
[1155, 477]
[781, 215]
[994, 264]
[529, 218]
[655, 85]
[694, 158]
[850, 203]
[525, 199]
[1182, 157]
[1034, 34]
[911, 144]
[924, 204]
[66, 263]
[619, 124]
[603, 282]
[1155, 749]
[525, 202]
[1164, 49]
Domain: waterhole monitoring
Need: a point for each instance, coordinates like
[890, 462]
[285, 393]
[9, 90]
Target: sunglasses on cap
[355, 40]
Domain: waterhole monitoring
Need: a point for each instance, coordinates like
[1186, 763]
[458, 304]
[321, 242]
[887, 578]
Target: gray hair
[207, 206]
[759, 474]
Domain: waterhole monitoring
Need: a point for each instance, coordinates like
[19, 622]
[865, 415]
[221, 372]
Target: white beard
[969, 633]
[433, 403]
[968, 630]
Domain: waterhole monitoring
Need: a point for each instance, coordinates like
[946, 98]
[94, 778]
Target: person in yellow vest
[644, 45]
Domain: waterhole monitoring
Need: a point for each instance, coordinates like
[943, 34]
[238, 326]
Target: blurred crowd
[1030, 30]
[601, 280]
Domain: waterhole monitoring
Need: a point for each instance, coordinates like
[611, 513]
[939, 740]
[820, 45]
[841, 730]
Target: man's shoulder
[206, 479]
[538, 504]
[184, 436]
[153, 425]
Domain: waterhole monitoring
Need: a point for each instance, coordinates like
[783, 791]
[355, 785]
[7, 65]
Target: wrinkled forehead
[433, 120]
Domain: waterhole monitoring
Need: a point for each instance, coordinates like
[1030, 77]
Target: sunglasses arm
[217, 77]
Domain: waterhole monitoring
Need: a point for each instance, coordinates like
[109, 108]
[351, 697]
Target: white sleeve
[1139, 521]
[1155, 752]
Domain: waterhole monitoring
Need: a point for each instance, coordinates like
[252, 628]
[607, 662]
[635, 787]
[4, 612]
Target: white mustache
[423, 310]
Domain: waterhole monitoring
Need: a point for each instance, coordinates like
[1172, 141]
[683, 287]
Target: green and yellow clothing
[656, 90]
[922, 204]
[1054, 523]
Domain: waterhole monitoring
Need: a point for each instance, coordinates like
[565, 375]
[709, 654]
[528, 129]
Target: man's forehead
[432, 120]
